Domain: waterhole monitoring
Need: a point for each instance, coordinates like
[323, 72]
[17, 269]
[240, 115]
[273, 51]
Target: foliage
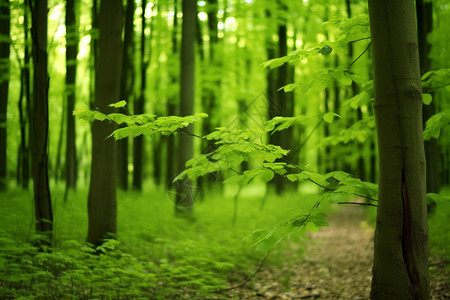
[158, 256]
[435, 124]
[439, 225]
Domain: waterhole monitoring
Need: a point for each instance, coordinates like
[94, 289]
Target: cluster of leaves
[141, 124]
[435, 124]
[82, 272]
[360, 132]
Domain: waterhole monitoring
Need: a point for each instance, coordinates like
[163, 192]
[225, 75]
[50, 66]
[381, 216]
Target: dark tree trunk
[126, 89]
[102, 188]
[25, 123]
[139, 104]
[424, 26]
[400, 268]
[71, 69]
[93, 51]
[5, 17]
[39, 135]
[184, 194]
[172, 106]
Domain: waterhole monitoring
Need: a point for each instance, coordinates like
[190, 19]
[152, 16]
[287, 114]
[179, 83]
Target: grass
[157, 256]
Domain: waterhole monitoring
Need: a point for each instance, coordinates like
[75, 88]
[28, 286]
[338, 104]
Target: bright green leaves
[359, 132]
[323, 79]
[119, 104]
[296, 55]
[426, 98]
[435, 124]
[434, 80]
[265, 239]
[351, 29]
[142, 124]
[234, 147]
[282, 123]
[162, 125]
[363, 98]
[329, 116]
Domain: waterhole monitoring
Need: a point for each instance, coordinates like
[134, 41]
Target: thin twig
[365, 50]
[248, 279]
[367, 204]
[361, 39]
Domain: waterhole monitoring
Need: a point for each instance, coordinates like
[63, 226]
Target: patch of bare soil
[337, 265]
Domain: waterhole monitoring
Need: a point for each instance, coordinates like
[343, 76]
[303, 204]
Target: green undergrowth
[439, 227]
[156, 255]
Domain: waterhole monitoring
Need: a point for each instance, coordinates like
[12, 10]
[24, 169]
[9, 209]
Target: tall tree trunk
[425, 25]
[71, 69]
[102, 188]
[126, 89]
[39, 136]
[5, 24]
[172, 105]
[400, 268]
[139, 104]
[93, 52]
[184, 194]
[26, 81]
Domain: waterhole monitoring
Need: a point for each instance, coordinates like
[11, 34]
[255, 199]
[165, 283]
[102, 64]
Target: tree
[424, 26]
[39, 128]
[5, 24]
[126, 88]
[23, 165]
[400, 269]
[71, 71]
[184, 194]
[139, 104]
[102, 187]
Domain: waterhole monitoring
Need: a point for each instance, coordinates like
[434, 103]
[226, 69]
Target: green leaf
[326, 50]
[329, 116]
[119, 104]
[267, 175]
[426, 98]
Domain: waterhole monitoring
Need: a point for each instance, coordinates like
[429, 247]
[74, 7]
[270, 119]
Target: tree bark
[102, 188]
[39, 134]
[184, 194]
[126, 88]
[71, 71]
[400, 269]
[5, 24]
[139, 104]
[424, 26]
[172, 105]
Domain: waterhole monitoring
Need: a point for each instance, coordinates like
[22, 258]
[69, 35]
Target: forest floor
[337, 265]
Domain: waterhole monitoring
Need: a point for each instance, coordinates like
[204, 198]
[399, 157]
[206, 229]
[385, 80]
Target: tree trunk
[400, 269]
[139, 104]
[5, 24]
[126, 88]
[93, 52]
[425, 25]
[39, 135]
[102, 188]
[71, 69]
[184, 194]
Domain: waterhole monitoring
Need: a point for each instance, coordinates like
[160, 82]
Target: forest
[224, 149]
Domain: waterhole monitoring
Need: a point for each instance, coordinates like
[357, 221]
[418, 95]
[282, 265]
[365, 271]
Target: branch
[365, 50]
[248, 279]
[361, 39]
[366, 204]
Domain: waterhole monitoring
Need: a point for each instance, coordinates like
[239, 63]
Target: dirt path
[337, 265]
